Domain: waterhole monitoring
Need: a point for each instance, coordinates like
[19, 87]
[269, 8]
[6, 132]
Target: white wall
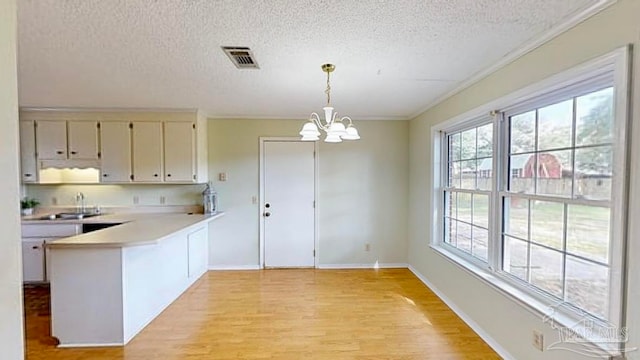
[362, 198]
[11, 327]
[500, 317]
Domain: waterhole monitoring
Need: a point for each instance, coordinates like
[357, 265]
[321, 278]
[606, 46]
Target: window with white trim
[468, 190]
[535, 194]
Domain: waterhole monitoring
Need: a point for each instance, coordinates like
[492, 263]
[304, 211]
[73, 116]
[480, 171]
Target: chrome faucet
[80, 206]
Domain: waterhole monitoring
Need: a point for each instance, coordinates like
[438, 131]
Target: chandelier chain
[328, 91]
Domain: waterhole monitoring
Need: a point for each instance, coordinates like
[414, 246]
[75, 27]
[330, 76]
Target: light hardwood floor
[292, 314]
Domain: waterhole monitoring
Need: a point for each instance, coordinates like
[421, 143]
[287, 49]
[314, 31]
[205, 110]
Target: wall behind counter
[117, 195]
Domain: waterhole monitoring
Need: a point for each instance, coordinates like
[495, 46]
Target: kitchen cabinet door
[33, 260]
[179, 151]
[83, 139]
[147, 151]
[29, 170]
[115, 151]
[51, 139]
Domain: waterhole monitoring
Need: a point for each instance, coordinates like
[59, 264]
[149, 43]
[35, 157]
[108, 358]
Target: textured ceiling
[393, 57]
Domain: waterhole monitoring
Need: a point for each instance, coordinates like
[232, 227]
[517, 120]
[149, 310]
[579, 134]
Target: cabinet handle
[28, 175]
[155, 175]
[74, 152]
[59, 152]
[105, 175]
[35, 247]
[168, 175]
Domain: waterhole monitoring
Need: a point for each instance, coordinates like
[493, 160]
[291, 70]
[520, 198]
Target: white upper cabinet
[82, 139]
[115, 151]
[179, 151]
[28, 165]
[61, 140]
[51, 139]
[147, 151]
[124, 147]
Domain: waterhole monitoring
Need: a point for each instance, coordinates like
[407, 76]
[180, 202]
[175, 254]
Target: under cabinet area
[124, 147]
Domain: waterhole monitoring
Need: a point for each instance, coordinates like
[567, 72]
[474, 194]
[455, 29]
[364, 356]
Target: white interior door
[288, 206]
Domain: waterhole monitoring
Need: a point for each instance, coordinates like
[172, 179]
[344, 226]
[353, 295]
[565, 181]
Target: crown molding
[568, 23]
[304, 118]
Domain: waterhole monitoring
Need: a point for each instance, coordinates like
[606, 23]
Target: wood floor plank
[291, 314]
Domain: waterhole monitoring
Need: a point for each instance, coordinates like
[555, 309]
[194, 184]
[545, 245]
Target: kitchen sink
[68, 216]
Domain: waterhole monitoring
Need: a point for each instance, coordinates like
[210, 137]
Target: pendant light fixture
[332, 125]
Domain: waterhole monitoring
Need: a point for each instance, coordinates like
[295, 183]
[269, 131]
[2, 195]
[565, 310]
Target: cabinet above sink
[120, 147]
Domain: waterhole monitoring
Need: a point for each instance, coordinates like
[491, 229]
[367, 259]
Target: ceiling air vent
[241, 57]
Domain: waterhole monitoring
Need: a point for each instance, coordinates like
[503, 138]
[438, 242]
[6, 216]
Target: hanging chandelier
[332, 125]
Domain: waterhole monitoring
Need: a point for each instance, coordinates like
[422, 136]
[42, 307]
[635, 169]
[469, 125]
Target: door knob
[267, 214]
[267, 205]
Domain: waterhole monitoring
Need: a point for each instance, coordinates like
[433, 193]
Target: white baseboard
[89, 345]
[233, 267]
[462, 315]
[363, 266]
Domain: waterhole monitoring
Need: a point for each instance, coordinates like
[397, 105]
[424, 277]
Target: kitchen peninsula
[107, 285]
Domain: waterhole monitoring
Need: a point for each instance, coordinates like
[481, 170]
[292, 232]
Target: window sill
[573, 329]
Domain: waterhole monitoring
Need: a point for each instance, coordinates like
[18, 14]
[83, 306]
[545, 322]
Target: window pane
[588, 232]
[480, 243]
[521, 173]
[594, 118]
[516, 217]
[523, 132]
[455, 175]
[594, 170]
[485, 174]
[469, 144]
[546, 269]
[464, 207]
[468, 170]
[485, 140]
[555, 174]
[547, 223]
[555, 124]
[515, 257]
[464, 237]
[588, 286]
[454, 147]
[481, 210]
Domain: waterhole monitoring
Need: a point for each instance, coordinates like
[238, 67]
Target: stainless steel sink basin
[68, 216]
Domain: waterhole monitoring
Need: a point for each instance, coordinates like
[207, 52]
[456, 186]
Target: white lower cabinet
[33, 264]
[117, 291]
[35, 255]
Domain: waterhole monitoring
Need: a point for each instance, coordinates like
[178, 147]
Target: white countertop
[135, 229]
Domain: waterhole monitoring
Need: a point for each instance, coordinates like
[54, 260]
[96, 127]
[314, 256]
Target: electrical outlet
[136, 200]
[163, 200]
[222, 176]
[54, 201]
[254, 200]
[538, 340]
[367, 247]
